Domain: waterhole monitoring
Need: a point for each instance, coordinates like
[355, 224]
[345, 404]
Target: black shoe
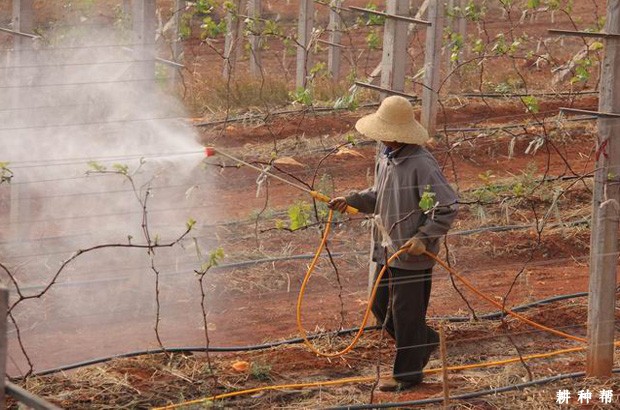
[432, 344]
[393, 385]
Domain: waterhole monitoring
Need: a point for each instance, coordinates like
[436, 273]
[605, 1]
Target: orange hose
[499, 305]
[366, 379]
[359, 333]
[302, 290]
[357, 336]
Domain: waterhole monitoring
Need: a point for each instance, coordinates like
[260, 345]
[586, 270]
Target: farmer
[405, 172]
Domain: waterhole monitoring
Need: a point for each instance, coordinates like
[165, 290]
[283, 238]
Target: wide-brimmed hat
[393, 121]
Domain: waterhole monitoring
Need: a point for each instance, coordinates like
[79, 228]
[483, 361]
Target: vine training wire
[359, 333]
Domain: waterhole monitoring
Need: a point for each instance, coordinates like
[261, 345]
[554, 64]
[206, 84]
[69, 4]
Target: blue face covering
[390, 152]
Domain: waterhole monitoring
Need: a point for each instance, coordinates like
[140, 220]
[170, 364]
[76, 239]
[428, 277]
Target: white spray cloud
[63, 106]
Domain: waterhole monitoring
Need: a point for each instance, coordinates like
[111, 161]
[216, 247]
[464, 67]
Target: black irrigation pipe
[466, 396]
[224, 266]
[195, 349]
[510, 126]
[520, 308]
[368, 105]
[280, 258]
[505, 228]
[269, 345]
[519, 95]
[276, 113]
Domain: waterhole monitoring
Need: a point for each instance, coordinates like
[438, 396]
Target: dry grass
[213, 93]
[156, 380]
[127, 383]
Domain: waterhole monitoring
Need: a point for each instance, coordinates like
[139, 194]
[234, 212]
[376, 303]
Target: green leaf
[500, 46]
[215, 256]
[473, 11]
[351, 139]
[518, 189]
[185, 28]
[531, 104]
[121, 168]
[230, 7]
[190, 223]
[302, 96]
[204, 6]
[211, 29]
[348, 102]
[533, 4]
[95, 166]
[5, 173]
[486, 177]
[299, 215]
[373, 19]
[373, 40]
[478, 46]
[272, 28]
[596, 45]
[318, 68]
[427, 202]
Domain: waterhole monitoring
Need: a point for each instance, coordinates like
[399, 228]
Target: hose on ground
[466, 396]
[295, 340]
[373, 293]
[365, 379]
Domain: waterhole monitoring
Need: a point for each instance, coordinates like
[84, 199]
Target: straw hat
[393, 121]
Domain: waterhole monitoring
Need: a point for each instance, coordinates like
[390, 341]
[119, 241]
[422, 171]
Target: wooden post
[126, 7]
[421, 10]
[255, 12]
[415, 4]
[447, 49]
[444, 367]
[605, 209]
[335, 34]
[432, 66]
[394, 59]
[375, 73]
[22, 21]
[144, 26]
[177, 41]
[177, 45]
[233, 39]
[392, 69]
[4, 303]
[304, 34]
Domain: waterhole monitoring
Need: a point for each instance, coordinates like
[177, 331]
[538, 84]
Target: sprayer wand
[210, 151]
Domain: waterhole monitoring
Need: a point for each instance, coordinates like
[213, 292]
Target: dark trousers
[403, 296]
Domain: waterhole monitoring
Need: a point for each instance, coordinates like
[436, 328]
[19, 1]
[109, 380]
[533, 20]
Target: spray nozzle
[209, 151]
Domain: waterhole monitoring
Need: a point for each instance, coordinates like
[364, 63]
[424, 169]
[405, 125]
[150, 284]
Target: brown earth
[252, 304]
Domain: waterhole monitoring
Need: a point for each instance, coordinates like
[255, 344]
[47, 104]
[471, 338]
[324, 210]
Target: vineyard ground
[264, 294]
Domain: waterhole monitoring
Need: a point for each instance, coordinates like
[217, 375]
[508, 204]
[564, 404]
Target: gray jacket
[401, 179]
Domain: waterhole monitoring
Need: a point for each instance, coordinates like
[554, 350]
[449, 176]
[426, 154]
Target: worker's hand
[339, 204]
[414, 246]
